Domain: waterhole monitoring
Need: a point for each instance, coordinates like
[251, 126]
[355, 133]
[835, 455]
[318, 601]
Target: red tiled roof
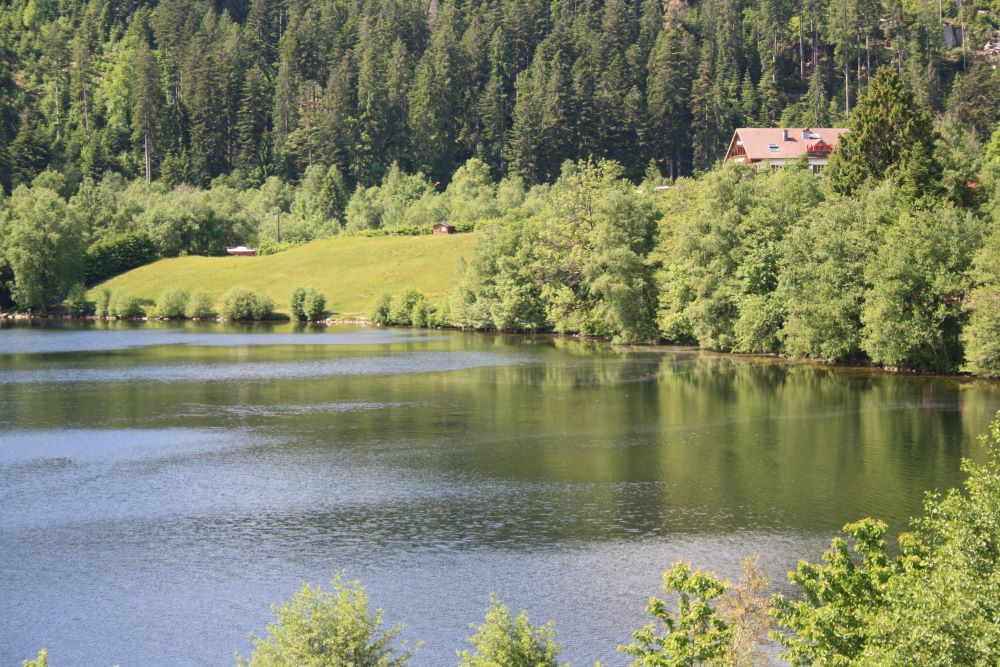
[756, 141]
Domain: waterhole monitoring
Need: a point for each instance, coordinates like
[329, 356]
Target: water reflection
[171, 491]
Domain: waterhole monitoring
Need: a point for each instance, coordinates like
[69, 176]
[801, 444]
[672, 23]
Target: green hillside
[351, 271]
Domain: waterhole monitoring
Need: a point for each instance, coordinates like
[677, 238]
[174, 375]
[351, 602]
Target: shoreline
[360, 320]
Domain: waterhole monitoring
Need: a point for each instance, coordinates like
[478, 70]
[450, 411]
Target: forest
[582, 142]
[186, 91]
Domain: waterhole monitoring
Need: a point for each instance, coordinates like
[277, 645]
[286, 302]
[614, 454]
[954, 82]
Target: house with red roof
[774, 147]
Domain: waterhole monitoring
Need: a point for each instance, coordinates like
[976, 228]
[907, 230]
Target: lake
[162, 485]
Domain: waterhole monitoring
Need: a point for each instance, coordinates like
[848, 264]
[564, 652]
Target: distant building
[441, 228]
[775, 147]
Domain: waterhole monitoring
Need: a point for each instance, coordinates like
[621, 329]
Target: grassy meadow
[351, 271]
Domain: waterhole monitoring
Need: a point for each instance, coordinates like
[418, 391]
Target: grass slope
[352, 272]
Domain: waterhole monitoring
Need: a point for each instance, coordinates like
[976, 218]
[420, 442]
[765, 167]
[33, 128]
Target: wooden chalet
[774, 147]
[441, 228]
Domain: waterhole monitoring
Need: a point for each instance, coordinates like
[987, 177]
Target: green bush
[173, 304]
[313, 304]
[420, 316]
[401, 310]
[199, 306]
[267, 247]
[319, 627]
[512, 642]
[103, 306]
[125, 306]
[118, 254]
[295, 303]
[239, 303]
[380, 315]
[76, 301]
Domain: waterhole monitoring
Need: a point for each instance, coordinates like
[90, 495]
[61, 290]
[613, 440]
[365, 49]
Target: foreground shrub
[511, 642]
[318, 627]
[239, 303]
[199, 306]
[125, 305]
[173, 304]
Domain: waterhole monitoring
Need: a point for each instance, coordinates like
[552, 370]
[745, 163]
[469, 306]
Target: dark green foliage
[76, 303]
[307, 304]
[118, 254]
[295, 303]
[887, 129]
[314, 305]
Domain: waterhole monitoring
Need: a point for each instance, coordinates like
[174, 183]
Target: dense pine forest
[581, 140]
[188, 90]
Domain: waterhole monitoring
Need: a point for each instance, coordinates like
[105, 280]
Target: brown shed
[441, 228]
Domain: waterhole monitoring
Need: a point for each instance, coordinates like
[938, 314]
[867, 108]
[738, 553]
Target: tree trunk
[847, 87]
[802, 55]
[149, 161]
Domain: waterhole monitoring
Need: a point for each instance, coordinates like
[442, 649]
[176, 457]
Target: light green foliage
[313, 304]
[981, 336]
[125, 306]
[933, 604]
[402, 307]
[993, 147]
[913, 314]
[199, 306]
[385, 205]
[103, 306]
[944, 599]
[44, 246]
[821, 276]
[829, 623]
[76, 303]
[692, 635]
[240, 303]
[172, 304]
[497, 289]
[421, 314]
[295, 303]
[575, 259]
[721, 249]
[505, 641]
[335, 628]
[380, 314]
[41, 661]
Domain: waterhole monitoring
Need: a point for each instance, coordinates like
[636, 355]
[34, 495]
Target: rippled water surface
[161, 486]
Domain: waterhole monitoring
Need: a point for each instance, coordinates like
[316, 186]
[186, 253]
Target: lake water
[161, 486]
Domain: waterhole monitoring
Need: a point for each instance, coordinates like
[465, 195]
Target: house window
[773, 148]
[817, 168]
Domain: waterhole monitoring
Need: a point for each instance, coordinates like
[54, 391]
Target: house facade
[774, 147]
